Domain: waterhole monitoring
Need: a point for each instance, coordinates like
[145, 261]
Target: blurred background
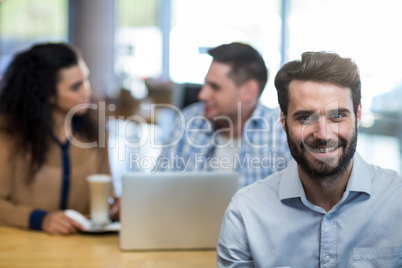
[143, 52]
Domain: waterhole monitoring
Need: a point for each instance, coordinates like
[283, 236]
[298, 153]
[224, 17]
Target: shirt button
[327, 216]
[327, 258]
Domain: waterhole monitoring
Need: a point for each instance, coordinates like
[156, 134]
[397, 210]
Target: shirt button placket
[328, 242]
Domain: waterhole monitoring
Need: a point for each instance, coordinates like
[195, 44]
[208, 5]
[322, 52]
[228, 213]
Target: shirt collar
[359, 181]
[290, 185]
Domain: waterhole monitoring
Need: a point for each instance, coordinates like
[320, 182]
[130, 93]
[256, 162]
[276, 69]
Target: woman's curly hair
[26, 88]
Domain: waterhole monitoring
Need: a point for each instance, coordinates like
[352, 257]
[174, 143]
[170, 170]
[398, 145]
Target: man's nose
[204, 93]
[87, 89]
[321, 129]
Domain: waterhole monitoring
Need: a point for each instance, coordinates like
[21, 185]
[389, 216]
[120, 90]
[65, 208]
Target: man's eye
[309, 118]
[306, 118]
[336, 116]
[215, 88]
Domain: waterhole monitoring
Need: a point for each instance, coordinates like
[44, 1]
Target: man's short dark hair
[245, 62]
[319, 67]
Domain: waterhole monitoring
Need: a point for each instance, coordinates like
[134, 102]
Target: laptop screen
[172, 210]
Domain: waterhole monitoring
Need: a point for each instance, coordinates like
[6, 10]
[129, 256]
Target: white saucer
[111, 227]
[89, 226]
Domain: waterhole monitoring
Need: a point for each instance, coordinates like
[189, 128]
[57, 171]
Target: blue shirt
[263, 148]
[272, 224]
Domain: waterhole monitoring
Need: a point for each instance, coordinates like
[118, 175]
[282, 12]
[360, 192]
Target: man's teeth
[323, 150]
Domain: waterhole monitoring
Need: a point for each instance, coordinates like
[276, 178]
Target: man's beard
[319, 170]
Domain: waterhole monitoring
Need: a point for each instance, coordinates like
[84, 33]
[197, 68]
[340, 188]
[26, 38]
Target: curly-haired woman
[43, 173]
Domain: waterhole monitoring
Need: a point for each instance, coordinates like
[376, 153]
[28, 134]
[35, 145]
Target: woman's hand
[59, 223]
[115, 209]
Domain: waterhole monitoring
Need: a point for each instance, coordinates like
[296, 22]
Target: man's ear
[251, 90]
[359, 114]
[283, 118]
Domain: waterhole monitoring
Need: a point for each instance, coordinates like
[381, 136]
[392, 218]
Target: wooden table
[24, 248]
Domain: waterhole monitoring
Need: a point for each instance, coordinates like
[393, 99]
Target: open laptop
[166, 210]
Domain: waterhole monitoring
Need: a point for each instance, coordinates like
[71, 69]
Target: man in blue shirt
[328, 208]
[229, 129]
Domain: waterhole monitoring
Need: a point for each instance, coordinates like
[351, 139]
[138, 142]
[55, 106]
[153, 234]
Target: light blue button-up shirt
[272, 224]
[263, 148]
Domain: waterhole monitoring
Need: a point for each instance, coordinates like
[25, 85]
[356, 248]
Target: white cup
[100, 189]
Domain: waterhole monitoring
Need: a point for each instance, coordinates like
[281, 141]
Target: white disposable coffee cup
[100, 190]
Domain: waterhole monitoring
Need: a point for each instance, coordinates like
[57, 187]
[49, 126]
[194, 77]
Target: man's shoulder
[262, 108]
[195, 109]
[262, 189]
[190, 113]
[378, 172]
[376, 181]
[262, 112]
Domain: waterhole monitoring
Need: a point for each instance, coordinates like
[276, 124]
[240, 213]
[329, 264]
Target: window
[24, 22]
[138, 40]
[199, 25]
[366, 31]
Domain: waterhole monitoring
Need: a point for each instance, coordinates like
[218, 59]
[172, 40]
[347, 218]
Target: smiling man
[328, 208]
[229, 129]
